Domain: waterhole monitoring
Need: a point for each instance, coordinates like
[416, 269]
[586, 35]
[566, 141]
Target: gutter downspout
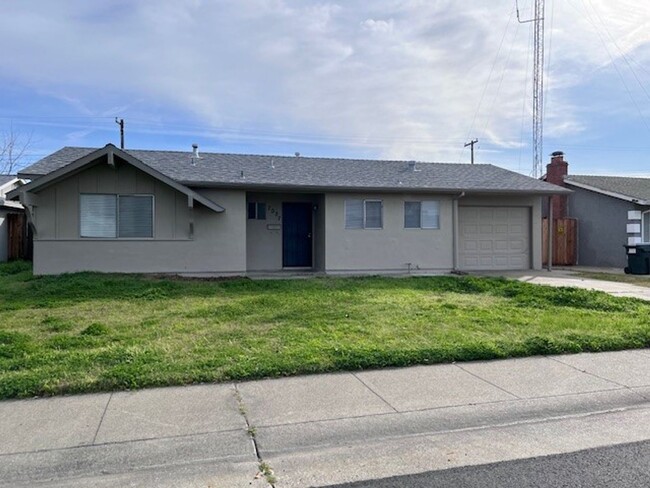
[454, 225]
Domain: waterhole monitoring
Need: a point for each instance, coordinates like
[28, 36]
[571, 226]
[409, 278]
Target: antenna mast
[538, 84]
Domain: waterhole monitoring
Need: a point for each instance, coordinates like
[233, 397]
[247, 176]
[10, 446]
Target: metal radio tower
[538, 84]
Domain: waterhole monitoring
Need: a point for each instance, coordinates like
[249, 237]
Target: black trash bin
[638, 259]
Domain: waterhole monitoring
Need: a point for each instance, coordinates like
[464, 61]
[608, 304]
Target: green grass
[640, 280]
[96, 332]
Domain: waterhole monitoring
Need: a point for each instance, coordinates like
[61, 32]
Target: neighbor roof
[4, 179]
[246, 170]
[624, 187]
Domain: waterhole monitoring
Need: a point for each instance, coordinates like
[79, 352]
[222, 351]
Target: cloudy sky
[409, 79]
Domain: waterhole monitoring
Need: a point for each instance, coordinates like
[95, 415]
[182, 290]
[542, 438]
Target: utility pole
[471, 144]
[120, 122]
[538, 84]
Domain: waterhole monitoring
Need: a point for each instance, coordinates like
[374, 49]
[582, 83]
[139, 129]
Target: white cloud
[404, 78]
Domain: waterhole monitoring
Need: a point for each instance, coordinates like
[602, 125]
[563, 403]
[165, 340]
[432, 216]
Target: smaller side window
[261, 211]
[256, 211]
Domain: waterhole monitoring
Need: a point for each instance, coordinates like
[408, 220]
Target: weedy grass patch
[89, 332]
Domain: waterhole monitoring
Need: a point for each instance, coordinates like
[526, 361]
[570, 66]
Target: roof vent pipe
[412, 166]
[195, 154]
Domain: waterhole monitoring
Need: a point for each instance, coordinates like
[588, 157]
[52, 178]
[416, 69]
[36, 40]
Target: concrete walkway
[567, 277]
[326, 429]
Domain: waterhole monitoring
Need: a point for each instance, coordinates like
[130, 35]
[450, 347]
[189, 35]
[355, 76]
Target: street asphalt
[621, 466]
[329, 429]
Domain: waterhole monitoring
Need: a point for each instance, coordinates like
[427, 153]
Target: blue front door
[296, 234]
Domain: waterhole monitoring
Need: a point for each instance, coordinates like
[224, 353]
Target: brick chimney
[556, 170]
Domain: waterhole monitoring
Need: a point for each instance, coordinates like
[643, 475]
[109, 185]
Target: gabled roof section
[306, 173]
[7, 180]
[110, 151]
[629, 188]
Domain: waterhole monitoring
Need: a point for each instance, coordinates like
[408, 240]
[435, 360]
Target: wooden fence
[564, 241]
[20, 237]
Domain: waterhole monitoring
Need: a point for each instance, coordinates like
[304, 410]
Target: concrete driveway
[564, 277]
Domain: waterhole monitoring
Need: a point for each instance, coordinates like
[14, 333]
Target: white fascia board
[620, 196]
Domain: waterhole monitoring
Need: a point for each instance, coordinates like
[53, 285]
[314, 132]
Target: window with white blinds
[98, 215]
[354, 214]
[363, 214]
[111, 216]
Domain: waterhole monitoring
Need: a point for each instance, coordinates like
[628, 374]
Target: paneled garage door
[494, 238]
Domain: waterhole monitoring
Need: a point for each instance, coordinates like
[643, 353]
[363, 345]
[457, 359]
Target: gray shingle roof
[245, 170]
[6, 179]
[632, 187]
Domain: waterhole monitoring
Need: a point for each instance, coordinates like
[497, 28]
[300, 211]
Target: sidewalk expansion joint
[488, 382]
[101, 420]
[584, 371]
[375, 393]
[265, 469]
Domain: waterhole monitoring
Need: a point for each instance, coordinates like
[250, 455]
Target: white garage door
[494, 238]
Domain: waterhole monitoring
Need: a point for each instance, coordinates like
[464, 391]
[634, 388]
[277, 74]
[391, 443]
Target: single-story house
[612, 211]
[116, 210]
[7, 208]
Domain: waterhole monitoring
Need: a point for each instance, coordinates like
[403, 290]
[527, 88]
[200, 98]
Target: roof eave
[620, 196]
[111, 150]
[376, 189]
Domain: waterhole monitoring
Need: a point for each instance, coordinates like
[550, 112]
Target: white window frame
[117, 217]
[422, 227]
[645, 236]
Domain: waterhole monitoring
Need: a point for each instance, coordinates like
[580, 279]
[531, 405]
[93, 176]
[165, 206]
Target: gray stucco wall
[391, 248]
[215, 247]
[602, 223]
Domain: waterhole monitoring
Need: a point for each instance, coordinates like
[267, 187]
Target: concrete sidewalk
[327, 429]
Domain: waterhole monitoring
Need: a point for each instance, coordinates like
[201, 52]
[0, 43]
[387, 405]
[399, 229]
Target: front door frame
[310, 227]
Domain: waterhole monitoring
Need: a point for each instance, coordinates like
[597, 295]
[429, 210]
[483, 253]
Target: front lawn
[94, 332]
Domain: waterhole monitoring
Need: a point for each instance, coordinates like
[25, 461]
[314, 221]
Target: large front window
[364, 214]
[116, 216]
[422, 215]
[645, 227]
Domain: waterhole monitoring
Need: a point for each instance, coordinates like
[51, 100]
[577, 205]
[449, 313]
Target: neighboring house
[612, 211]
[7, 207]
[113, 210]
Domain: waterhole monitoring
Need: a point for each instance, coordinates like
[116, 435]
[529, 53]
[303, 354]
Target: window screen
[373, 215]
[98, 215]
[430, 215]
[354, 214]
[135, 216]
[412, 215]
